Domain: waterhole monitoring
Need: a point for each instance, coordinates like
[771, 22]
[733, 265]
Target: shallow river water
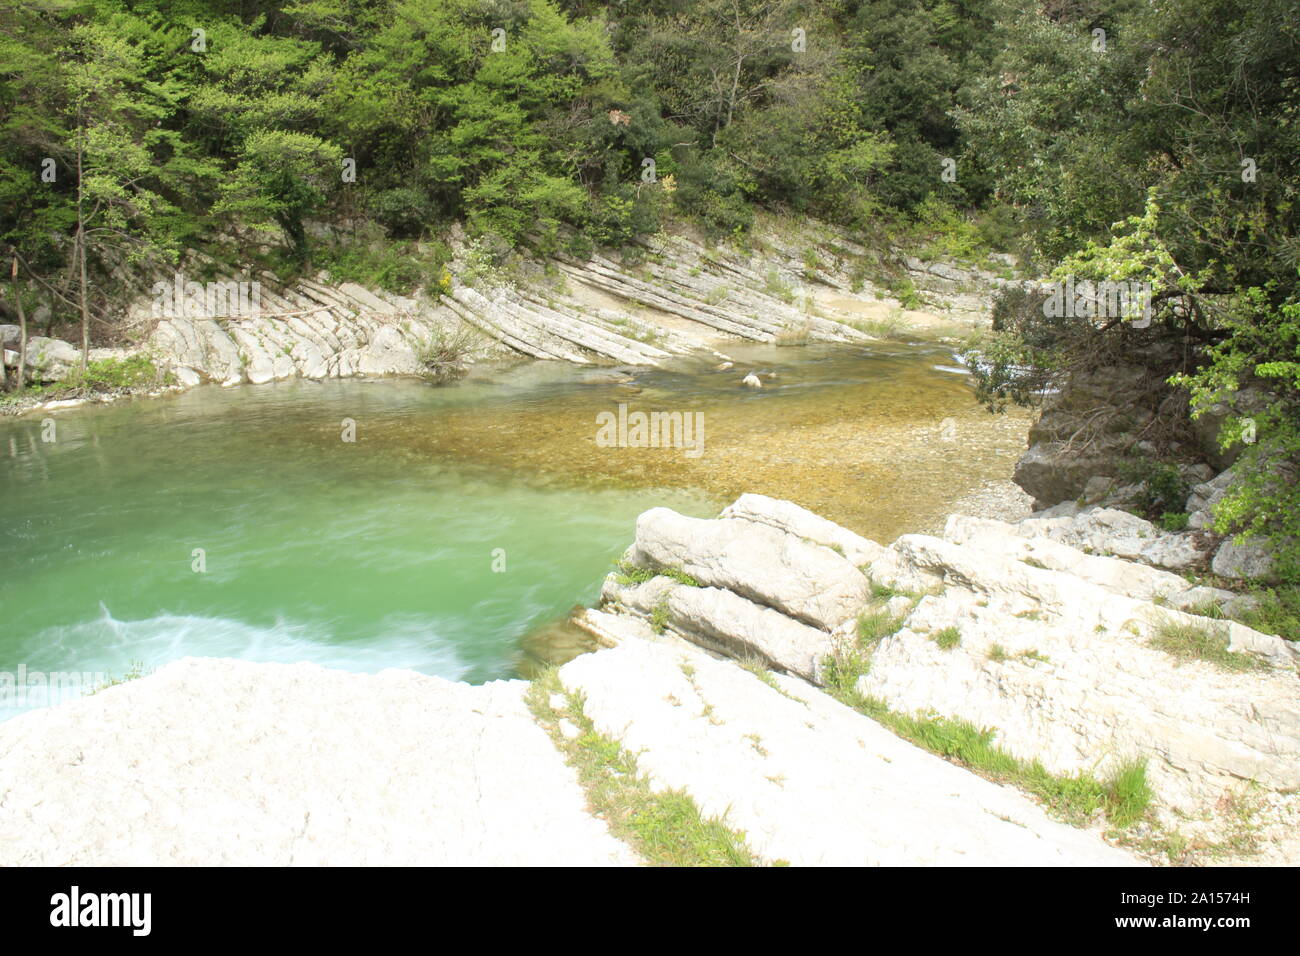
[459, 524]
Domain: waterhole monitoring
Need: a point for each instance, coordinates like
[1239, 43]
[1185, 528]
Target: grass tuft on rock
[1276, 611]
[1196, 642]
[883, 592]
[629, 574]
[135, 670]
[1077, 799]
[876, 625]
[665, 829]
[948, 638]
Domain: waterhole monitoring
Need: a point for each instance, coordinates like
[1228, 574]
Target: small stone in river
[614, 377]
[725, 366]
[752, 381]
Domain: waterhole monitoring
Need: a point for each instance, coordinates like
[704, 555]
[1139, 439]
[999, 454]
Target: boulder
[726, 623]
[1207, 424]
[1113, 532]
[1054, 688]
[1060, 649]
[186, 377]
[1019, 542]
[1249, 560]
[789, 517]
[1052, 473]
[51, 359]
[1090, 607]
[807, 581]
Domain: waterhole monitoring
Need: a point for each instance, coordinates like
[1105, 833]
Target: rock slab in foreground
[807, 779]
[222, 762]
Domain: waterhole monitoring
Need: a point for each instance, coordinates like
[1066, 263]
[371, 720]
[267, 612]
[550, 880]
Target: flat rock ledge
[808, 780]
[222, 762]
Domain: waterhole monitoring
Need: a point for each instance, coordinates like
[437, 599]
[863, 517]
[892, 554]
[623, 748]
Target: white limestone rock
[1110, 531]
[806, 581]
[724, 622]
[1017, 542]
[223, 762]
[1250, 560]
[792, 519]
[51, 359]
[808, 780]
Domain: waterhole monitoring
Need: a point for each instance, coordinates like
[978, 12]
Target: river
[364, 524]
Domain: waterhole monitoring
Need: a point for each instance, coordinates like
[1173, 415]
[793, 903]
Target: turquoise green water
[451, 534]
[350, 555]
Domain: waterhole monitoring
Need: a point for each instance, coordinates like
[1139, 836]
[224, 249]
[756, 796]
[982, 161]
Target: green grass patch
[884, 592]
[629, 574]
[665, 829]
[134, 371]
[947, 639]
[101, 375]
[35, 390]
[1209, 643]
[778, 288]
[904, 290]
[759, 669]
[395, 266]
[892, 327]
[1210, 609]
[792, 335]
[875, 625]
[1123, 797]
[1278, 612]
[659, 615]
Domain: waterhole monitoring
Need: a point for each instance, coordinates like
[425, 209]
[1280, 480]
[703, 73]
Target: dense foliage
[1171, 155]
[230, 120]
[1118, 138]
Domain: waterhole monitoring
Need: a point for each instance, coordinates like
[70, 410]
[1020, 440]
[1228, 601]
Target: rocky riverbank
[1076, 660]
[797, 683]
[667, 297]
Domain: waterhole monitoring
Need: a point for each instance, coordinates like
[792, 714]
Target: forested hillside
[1112, 139]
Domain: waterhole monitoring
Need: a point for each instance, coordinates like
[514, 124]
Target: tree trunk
[85, 312]
[81, 251]
[22, 329]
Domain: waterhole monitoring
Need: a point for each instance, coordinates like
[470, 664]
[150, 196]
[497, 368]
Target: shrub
[447, 353]
[1162, 490]
[1174, 520]
[1261, 346]
[134, 371]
